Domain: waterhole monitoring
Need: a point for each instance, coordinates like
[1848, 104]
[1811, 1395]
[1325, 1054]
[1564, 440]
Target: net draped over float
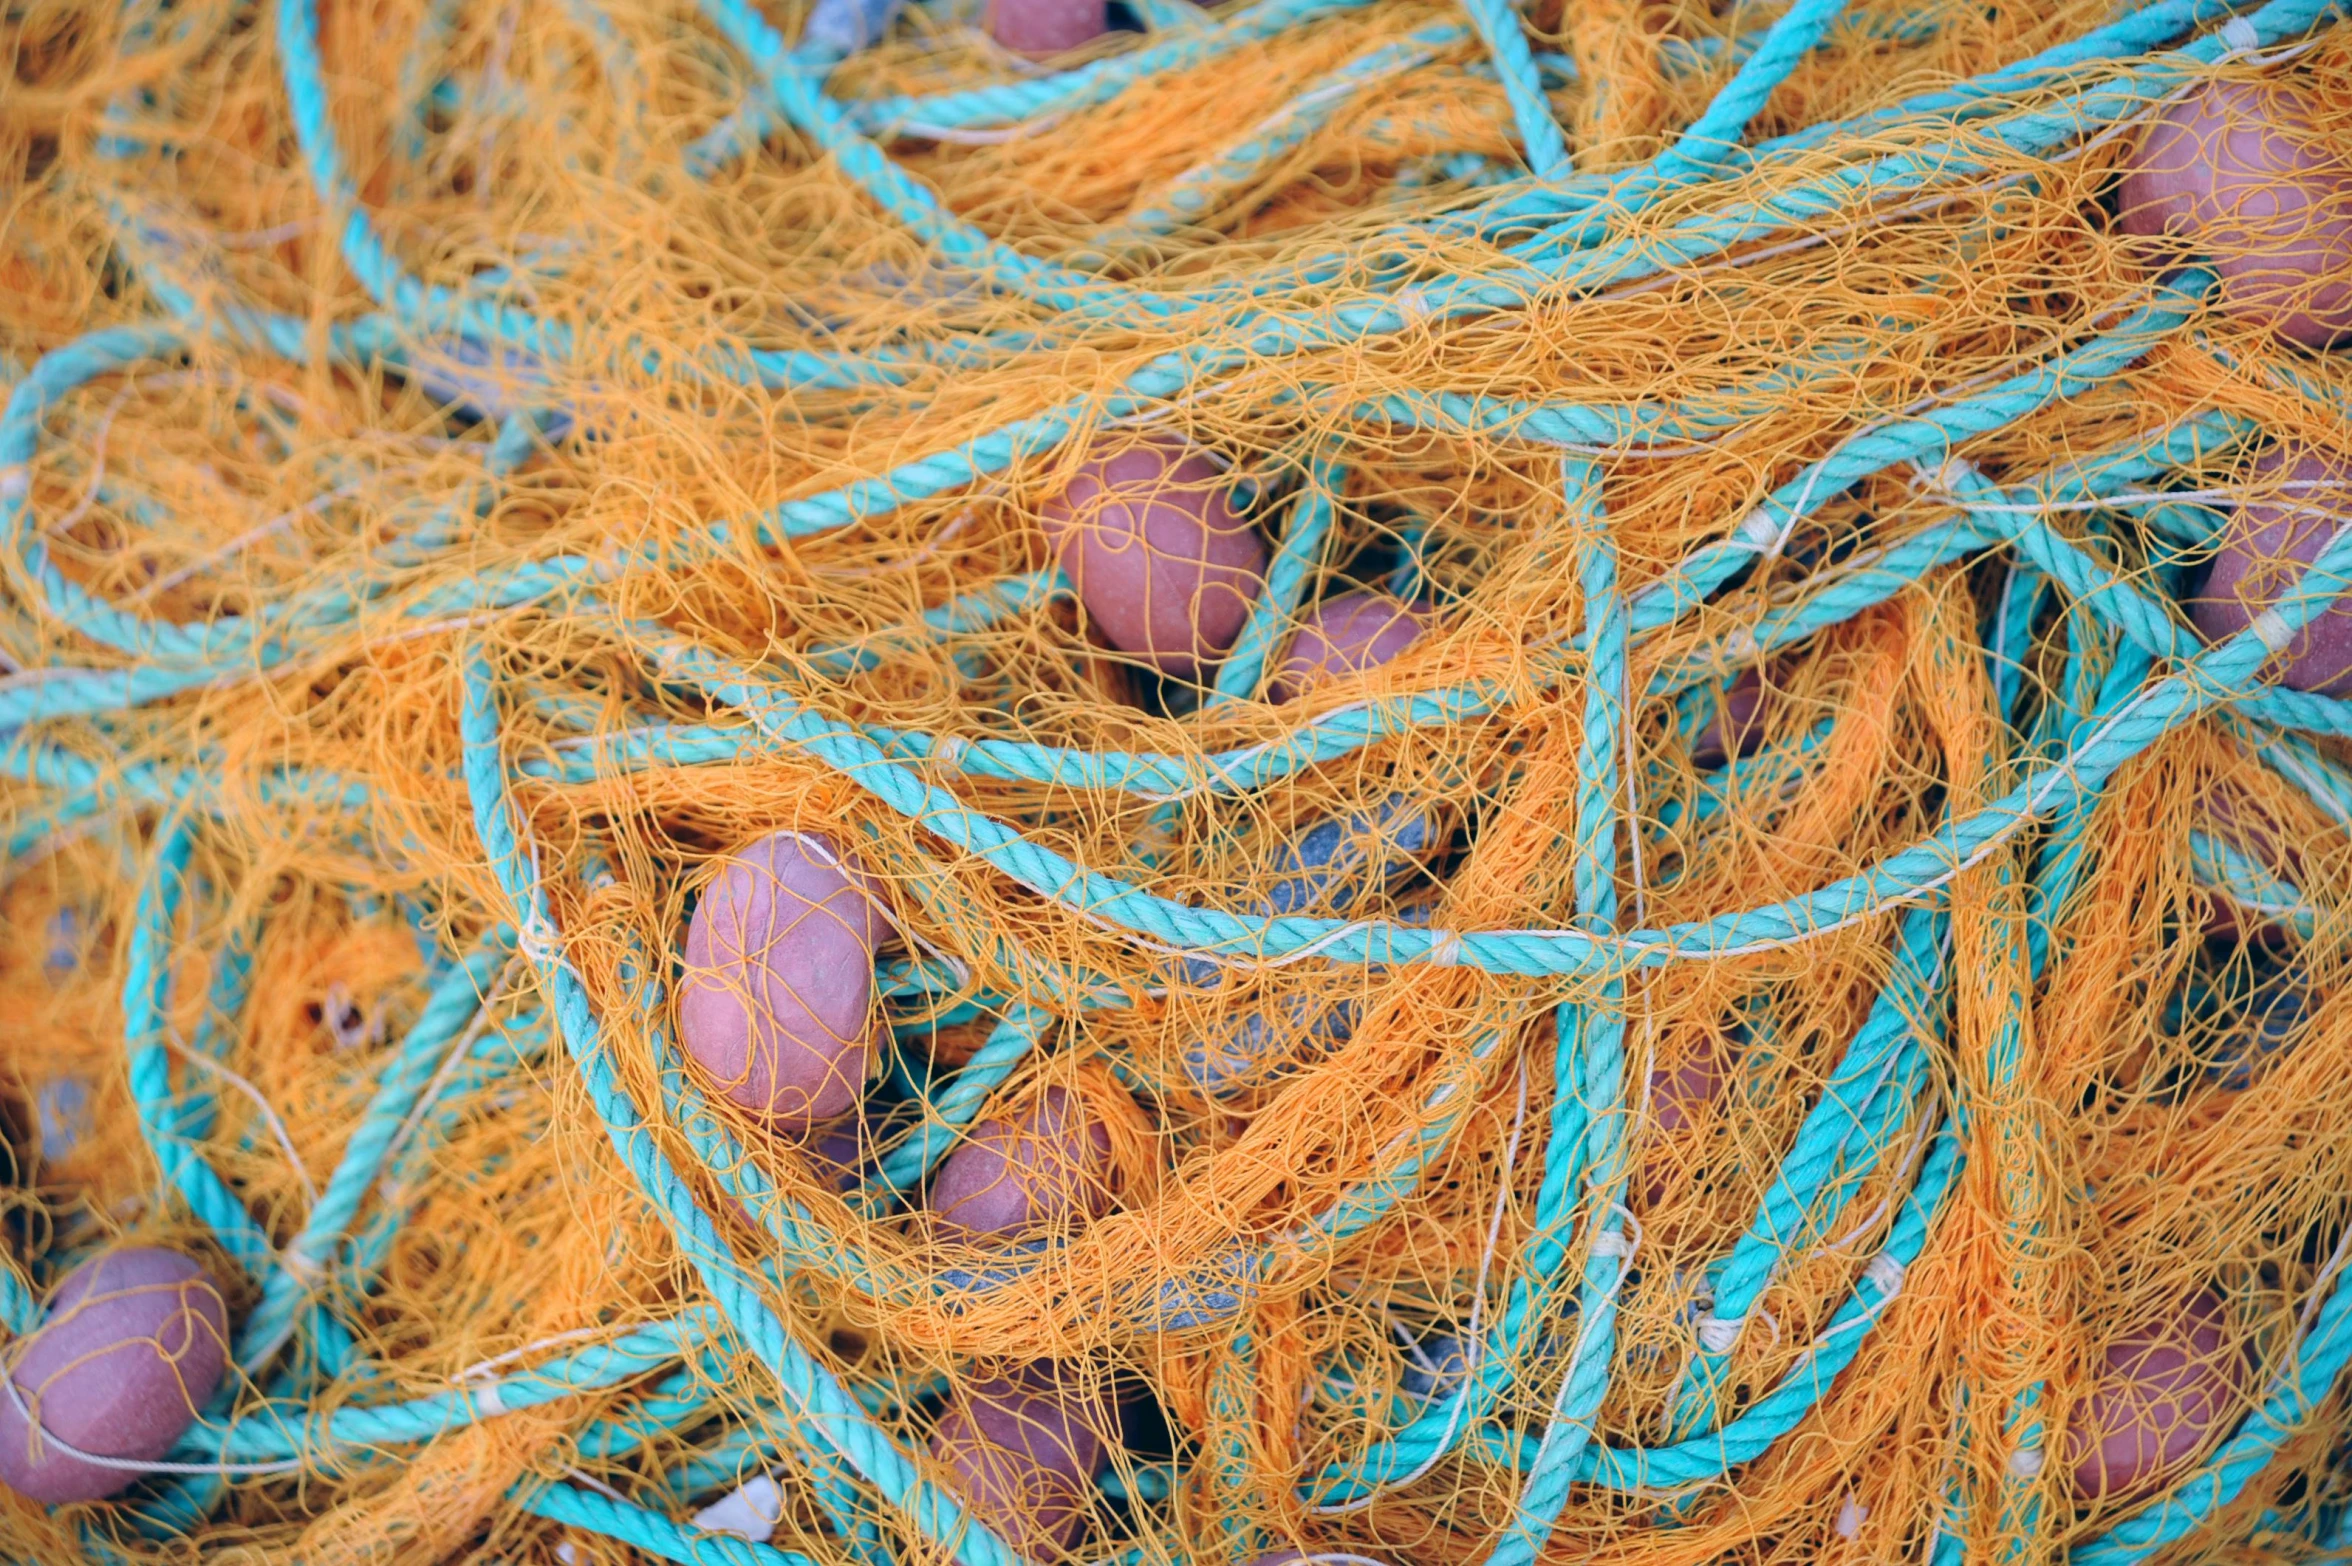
[1318, 780]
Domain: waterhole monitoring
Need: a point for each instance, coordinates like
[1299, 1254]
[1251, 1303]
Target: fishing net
[1800, 1019]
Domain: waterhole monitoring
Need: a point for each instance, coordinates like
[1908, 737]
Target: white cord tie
[537, 939]
[1948, 475]
[1719, 1334]
[2270, 628]
[1885, 1274]
[1758, 529]
[2026, 1463]
[1612, 1244]
[2238, 36]
[1447, 951]
[16, 481]
[487, 1400]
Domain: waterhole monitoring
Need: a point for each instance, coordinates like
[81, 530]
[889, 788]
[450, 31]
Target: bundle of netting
[1314, 781]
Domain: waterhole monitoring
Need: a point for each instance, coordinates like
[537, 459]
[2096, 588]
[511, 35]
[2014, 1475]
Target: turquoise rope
[1301, 549]
[655, 1535]
[146, 1009]
[454, 1002]
[1594, 1033]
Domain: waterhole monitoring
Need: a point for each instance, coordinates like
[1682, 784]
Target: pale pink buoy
[778, 1001]
[1345, 635]
[1680, 1095]
[1041, 27]
[2231, 821]
[1015, 1177]
[1738, 727]
[1024, 1450]
[129, 1351]
[1165, 568]
[2265, 547]
[2244, 172]
[2162, 1390]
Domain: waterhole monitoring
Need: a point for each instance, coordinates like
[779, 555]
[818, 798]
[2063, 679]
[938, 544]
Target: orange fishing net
[1795, 1014]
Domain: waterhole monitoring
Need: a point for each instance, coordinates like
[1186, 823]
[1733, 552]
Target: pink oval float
[1738, 725]
[1041, 27]
[2265, 546]
[778, 1000]
[129, 1351]
[2245, 172]
[1166, 570]
[1345, 635]
[2161, 1391]
[1018, 1176]
[1680, 1096]
[1023, 1451]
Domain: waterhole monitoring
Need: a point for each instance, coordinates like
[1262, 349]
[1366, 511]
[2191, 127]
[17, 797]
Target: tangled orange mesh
[2139, 1093]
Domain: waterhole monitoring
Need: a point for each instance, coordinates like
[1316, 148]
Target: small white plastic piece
[749, 1511]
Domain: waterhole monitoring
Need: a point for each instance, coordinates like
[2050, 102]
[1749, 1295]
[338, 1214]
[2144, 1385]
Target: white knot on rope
[1720, 1334]
[1948, 475]
[1759, 529]
[487, 1401]
[2238, 36]
[1411, 305]
[2270, 628]
[1446, 951]
[537, 939]
[16, 481]
[297, 1263]
[1613, 1244]
[949, 751]
[2026, 1463]
[1885, 1274]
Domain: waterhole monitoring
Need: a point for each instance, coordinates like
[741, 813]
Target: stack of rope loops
[1330, 780]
